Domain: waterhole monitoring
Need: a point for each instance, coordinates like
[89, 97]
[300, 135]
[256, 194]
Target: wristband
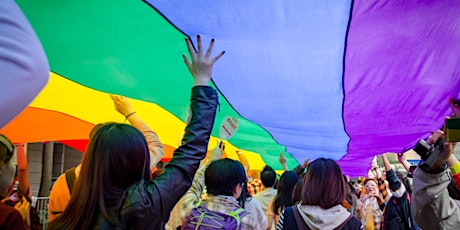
[455, 169]
[127, 116]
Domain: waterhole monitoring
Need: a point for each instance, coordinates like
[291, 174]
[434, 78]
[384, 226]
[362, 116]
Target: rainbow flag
[340, 79]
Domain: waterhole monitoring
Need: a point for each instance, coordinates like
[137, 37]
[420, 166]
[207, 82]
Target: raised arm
[432, 206]
[299, 169]
[283, 160]
[386, 163]
[243, 160]
[394, 183]
[23, 175]
[156, 148]
[403, 160]
[179, 172]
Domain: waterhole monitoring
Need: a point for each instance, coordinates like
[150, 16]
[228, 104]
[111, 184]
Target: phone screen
[452, 130]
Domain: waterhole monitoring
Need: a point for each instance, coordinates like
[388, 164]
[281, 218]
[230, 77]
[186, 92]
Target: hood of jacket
[319, 218]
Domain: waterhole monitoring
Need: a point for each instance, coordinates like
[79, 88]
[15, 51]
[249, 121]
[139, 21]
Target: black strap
[70, 177]
[298, 219]
[344, 223]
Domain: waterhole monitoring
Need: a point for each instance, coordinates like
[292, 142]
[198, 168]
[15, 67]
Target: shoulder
[251, 220]
[10, 218]
[135, 197]
[60, 187]
[253, 203]
[352, 224]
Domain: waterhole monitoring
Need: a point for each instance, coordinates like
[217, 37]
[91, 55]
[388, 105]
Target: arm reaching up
[156, 148]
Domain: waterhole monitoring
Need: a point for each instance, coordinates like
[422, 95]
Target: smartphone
[452, 130]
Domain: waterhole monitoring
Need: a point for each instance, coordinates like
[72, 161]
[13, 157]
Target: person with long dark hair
[283, 197]
[323, 195]
[114, 190]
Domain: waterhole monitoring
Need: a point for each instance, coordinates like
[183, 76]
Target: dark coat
[397, 211]
[146, 205]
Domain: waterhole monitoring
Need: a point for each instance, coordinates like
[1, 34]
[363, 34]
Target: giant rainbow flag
[341, 79]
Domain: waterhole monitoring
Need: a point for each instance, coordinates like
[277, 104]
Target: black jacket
[146, 205]
[397, 211]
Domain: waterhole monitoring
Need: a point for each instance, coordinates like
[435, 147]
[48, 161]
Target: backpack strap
[341, 226]
[238, 214]
[298, 219]
[70, 177]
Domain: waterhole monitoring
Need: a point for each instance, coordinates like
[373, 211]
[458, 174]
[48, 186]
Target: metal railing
[41, 204]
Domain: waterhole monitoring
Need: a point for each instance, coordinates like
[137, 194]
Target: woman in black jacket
[114, 190]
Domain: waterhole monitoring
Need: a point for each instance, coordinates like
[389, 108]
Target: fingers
[187, 62]
[209, 51]
[449, 147]
[191, 51]
[434, 137]
[113, 97]
[118, 98]
[200, 46]
[194, 54]
[218, 56]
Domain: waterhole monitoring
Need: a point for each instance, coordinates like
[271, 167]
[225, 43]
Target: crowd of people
[117, 184]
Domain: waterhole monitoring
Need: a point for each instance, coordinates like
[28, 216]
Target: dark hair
[371, 179]
[117, 156]
[405, 181]
[285, 187]
[268, 176]
[324, 185]
[297, 191]
[6, 149]
[245, 196]
[223, 175]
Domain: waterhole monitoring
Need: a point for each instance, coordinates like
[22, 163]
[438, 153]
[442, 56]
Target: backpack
[202, 218]
[70, 177]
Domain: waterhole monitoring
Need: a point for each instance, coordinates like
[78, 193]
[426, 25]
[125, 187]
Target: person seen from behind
[283, 197]
[323, 196]
[114, 190]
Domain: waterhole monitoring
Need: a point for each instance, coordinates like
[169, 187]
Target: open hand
[201, 65]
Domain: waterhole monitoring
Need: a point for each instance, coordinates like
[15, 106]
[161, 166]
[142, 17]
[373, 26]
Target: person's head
[285, 187]
[371, 186]
[7, 164]
[225, 177]
[268, 176]
[405, 181]
[118, 154]
[357, 185]
[116, 157]
[324, 185]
